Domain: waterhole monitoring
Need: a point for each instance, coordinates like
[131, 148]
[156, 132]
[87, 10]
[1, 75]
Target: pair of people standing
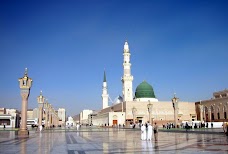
[146, 133]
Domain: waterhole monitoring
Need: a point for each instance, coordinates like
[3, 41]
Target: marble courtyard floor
[111, 140]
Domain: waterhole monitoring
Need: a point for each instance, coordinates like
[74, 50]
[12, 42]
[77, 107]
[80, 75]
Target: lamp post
[176, 109]
[25, 84]
[50, 116]
[40, 100]
[134, 110]
[46, 113]
[149, 107]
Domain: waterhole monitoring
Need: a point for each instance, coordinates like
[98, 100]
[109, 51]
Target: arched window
[212, 113]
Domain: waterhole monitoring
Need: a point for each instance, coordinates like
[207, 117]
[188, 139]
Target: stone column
[221, 112]
[204, 114]
[46, 118]
[54, 120]
[49, 119]
[149, 107]
[46, 114]
[25, 84]
[209, 114]
[134, 110]
[24, 108]
[201, 112]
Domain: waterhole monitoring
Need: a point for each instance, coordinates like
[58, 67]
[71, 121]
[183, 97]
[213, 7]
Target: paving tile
[96, 141]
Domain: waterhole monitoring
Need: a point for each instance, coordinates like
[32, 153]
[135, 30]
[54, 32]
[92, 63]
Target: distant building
[35, 113]
[91, 117]
[30, 114]
[62, 116]
[214, 109]
[2, 110]
[84, 116]
[77, 118]
[9, 118]
[70, 122]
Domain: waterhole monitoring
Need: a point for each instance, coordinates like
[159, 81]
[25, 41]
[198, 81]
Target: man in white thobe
[149, 132]
[143, 132]
[41, 127]
[77, 126]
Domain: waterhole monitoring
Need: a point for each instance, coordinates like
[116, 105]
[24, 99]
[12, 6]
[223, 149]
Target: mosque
[141, 107]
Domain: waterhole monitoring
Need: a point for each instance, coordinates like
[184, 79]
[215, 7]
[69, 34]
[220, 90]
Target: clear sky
[176, 46]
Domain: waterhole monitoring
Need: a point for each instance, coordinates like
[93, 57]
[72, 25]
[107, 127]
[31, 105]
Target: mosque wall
[109, 119]
[162, 112]
[214, 109]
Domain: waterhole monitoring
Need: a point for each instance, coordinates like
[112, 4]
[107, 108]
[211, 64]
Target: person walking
[143, 132]
[41, 127]
[149, 132]
[155, 131]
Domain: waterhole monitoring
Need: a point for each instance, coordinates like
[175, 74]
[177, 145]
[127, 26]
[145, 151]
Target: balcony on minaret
[25, 82]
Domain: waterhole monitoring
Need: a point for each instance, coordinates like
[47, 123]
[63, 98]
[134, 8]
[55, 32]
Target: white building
[62, 116]
[70, 122]
[84, 116]
[9, 117]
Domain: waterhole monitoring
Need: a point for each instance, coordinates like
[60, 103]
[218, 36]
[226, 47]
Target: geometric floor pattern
[111, 140]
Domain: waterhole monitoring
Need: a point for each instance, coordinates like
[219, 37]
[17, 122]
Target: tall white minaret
[104, 93]
[127, 77]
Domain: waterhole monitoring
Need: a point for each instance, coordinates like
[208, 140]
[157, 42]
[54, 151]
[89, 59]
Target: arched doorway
[115, 120]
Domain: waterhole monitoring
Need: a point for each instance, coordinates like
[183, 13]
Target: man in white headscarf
[149, 132]
[143, 132]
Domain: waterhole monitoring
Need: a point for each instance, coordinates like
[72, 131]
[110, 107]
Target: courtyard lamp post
[134, 110]
[40, 100]
[46, 113]
[176, 109]
[25, 83]
[149, 107]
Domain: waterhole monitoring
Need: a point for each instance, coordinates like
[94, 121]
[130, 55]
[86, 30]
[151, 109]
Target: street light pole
[25, 83]
[40, 100]
[176, 108]
[149, 107]
[134, 110]
[46, 113]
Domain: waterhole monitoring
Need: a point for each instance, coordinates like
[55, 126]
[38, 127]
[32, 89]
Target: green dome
[144, 90]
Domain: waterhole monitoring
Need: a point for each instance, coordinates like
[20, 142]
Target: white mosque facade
[134, 108]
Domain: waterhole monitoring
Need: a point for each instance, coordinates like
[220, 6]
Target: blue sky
[176, 46]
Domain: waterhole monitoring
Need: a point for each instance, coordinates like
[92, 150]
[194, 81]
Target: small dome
[144, 90]
[117, 100]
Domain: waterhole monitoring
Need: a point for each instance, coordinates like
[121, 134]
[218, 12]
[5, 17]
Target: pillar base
[23, 133]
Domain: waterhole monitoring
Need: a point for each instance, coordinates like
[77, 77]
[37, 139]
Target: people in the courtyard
[41, 127]
[186, 126]
[77, 126]
[143, 132]
[155, 131]
[149, 132]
